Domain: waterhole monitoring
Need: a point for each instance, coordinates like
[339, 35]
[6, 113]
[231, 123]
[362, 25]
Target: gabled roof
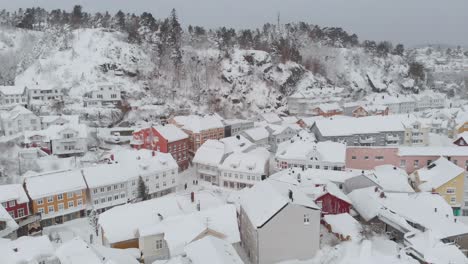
[15, 112]
[251, 162]
[355, 126]
[463, 136]
[210, 153]
[171, 133]
[266, 198]
[15, 192]
[212, 250]
[390, 178]
[437, 174]
[11, 225]
[196, 123]
[426, 209]
[327, 151]
[52, 183]
[257, 133]
[271, 117]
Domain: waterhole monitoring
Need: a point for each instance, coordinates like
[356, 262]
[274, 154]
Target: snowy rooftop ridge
[437, 174]
[39, 185]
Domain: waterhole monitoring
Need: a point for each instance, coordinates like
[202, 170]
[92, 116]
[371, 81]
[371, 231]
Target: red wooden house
[332, 200]
[15, 201]
[328, 110]
[166, 139]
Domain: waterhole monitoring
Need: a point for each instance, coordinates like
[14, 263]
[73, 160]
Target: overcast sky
[411, 22]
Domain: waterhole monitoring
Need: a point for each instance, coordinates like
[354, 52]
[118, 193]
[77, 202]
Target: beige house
[278, 222]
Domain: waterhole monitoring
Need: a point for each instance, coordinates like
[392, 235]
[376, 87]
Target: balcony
[367, 141]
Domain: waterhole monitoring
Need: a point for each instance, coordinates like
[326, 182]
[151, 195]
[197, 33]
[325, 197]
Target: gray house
[364, 131]
[278, 222]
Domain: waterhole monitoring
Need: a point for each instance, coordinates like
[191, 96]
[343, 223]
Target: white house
[40, 95]
[278, 222]
[207, 159]
[61, 140]
[18, 120]
[305, 153]
[257, 135]
[105, 95]
[12, 95]
[279, 134]
[240, 170]
[158, 170]
[270, 118]
[168, 238]
[60, 120]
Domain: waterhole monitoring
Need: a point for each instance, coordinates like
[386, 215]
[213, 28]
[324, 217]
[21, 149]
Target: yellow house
[442, 177]
[462, 128]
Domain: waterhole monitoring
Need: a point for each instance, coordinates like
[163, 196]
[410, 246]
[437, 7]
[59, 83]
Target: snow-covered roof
[463, 136]
[15, 112]
[251, 162]
[51, 183]
[266, 198]
[196, 123]
[171, 133]
[76, 251]
[212, 250]
[122, 222]
[236, 143]
[210, 153]
[144, 160]
[354, 126]
[319, 176]
[107, 174]
[54, 132]
[432, 151]
[312, 187]
[74, 119]
[437, 174]
[9, 192]
[289, 119]
[432, 250]
[11, 225]
[182, 229]
[326, 151]
[426, 209]
[271, 117]
[278, 129]
[12, 90]
[328, 107]
[390, 178]
[344, 224]
[25, 249]
[257, 133]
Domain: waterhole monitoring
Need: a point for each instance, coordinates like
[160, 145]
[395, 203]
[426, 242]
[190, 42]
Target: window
[103, 200]
[122, 185]
[4, 205]
[50, 199]
[60, 207]
[379, 157]
[164, 184]
[12, 203]
[115, 187]
[173, 180]
[416, 163]
[122, 195]
[109, 188]
[39, 201]
[453, 199]
[96, 201]
[402, 163]
[450, 190]
[116, 197]
[157, 185]
[50, 209]
[69, 195]
[20, 212]
[79, 202]
[95, 191]
[159, 244]
[40, 210]
[109, 198]
[306, 219]
[353, 157]
[71, 204]
[366, 157]
[60, 197]
[102, 189]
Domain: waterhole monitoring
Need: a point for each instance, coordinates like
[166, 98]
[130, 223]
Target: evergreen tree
[76, 16]
[399, 49]
[142, 190]
[175, 42]
[119, 20]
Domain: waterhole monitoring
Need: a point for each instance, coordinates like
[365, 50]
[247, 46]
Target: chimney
[291, 196]
[112, 157]
[192, 197]
[435, 210]
[160, 217]
[153, 153]
[198, 206]
[382, 195]
[238, 137]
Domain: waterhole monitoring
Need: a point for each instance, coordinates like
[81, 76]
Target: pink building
[407, 158]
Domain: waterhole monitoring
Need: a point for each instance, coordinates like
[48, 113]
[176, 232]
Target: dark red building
[332, 200]
[462, 140]
[166, 139]
[15, 201]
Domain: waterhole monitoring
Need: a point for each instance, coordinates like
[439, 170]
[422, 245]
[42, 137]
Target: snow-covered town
[129, 139]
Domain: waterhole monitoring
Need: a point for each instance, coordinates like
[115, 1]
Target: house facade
[104, 96]
[12, 96]
[18, 120]
[15, 201]
[236, 126]
[262, 223]
[278, 135]
[207, 160]
[327, 110]
[199, 129]
[166, 139]
[37, 94]
[59, 202]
